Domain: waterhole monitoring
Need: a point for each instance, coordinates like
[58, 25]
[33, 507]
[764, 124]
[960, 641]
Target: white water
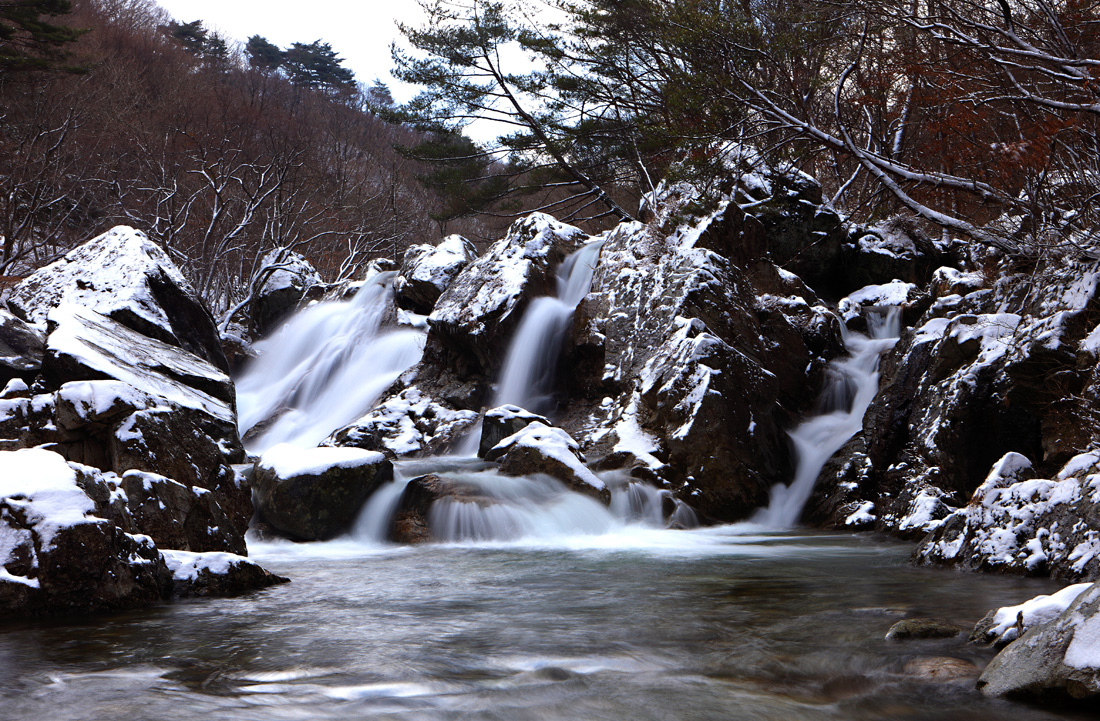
[527, 377]
[324, 368]
[850, 387]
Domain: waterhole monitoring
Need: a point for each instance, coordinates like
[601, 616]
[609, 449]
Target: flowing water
[631, 625]
[324, 368]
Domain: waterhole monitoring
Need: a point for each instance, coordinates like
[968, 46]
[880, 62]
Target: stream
[635, 623]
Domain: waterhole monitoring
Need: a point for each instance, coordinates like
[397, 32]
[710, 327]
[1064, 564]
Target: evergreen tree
[198, 40]
[29, 40]
[263, 54]
[316, 65]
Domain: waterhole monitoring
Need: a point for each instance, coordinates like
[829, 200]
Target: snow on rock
[428, 270]
[481, 308]
[504, 421]
[21, 348]
[1005, 624]
[42, 486]
[124, 275]
[287, 276]
[539, 448]
[216, 574]
[951, 281]
[1055, 658]
[408, 423]
[892, 294]
[315, 494]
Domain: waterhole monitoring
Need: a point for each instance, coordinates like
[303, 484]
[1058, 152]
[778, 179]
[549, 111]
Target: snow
[1084, 650]
[292, 271]
[922, 511]
[439, 264]
[103, 346]
[861, 515]
[14, 388]
[186, 566]
[43, 486]
[93, 399]
[1038, 610]
[288, 461]
[892, 294]
[109, 274]
[552, 443]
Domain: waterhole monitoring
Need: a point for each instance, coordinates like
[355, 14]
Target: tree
[198, 40]
[263, 54]
[29, 39]
[317, 65]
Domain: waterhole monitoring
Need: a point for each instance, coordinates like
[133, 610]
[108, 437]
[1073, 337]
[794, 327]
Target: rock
[894, 249]
[287, 276]
[59, 556]
[499, 423]
[429, 270]
[179, 517]
[216, 574]
[538, 448]
[922, 628]
[127, 277]
[21, 349]
[475, 317]
[412, 518]
[1052, 660]
[314, 494]
[1003, 625]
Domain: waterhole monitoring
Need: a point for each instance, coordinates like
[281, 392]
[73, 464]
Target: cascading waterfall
[324, 368]
[851, 386]
[527, 377]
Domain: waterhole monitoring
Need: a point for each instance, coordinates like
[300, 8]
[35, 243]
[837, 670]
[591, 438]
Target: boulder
[412, 518]
[127, 277]
[538, 448]
[21, 348]
[314, 494]
[285, 277]
[499, 423]
[891, 250]
[922, 628]
[58, 554]
[1058, 659]
[1002, 626]
[474, 319]
[177, 516]
[216, 574]
[428, 270]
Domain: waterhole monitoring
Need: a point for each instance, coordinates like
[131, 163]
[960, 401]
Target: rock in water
[1057, 658]
[538, 448]
[499, 423]
[216, 574]
[922, 628]
[428, 270]
[288, 276]
[127, 277]
[314, 494]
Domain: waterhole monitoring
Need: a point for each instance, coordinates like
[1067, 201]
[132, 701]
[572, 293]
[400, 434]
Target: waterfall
[323, 368]
[527, 378]
[850, 387]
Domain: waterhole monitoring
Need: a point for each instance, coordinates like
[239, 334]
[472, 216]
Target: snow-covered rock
[428, 270]
[504, 421]
[1003, 625]
[129, 278]
[176, 516]
[538, 448]
[409, 423]
[286, 277]
[474, 318]
[892, 249]
[1056, 658]
[314, 494]
[216, 574]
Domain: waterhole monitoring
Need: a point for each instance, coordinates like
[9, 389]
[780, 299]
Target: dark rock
[314, 494]
[216, 574]
[287, 276]
[177, 516]
[125, 276]
[428, 270]
[893, 250]
[499, 423]
[922, 628]
[21, 349]
[538, 448]
[412, 518]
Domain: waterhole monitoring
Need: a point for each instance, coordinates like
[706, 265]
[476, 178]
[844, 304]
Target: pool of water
[730, 623]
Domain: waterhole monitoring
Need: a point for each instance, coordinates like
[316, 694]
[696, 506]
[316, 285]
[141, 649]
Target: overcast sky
[360, 31]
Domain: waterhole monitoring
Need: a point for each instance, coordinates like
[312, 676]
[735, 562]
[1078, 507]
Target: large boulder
[507, 420]
[1058, 659]
[428, 270]
[894, 249]
[177, 516]
[538, 448]
[475, 317]
[127, 277]
[314, 494]
[1002, 626]
[285, 277]
[58, 554]
[21, 348]
[216, 574]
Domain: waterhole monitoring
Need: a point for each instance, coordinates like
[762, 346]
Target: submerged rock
[922, 628]
[127, 277]
[1056, 659]
[313, 494]
[428, 270]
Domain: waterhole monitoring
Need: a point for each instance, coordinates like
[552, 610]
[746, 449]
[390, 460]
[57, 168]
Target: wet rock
[412, 518]
[922, 628]
[499, 423]
[942, 669]
[475, 317]
[125, 276]
[1055, 660]
[21, 349]
[538, 448]
[314, 494]
[216, 574]
[287, 276]
[179, 517]
[428, 270]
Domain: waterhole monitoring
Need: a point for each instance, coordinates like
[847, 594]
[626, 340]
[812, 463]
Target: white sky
[360, 31]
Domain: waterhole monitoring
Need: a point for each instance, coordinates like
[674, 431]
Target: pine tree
[316, 65]
[263, 54]
[29, 40]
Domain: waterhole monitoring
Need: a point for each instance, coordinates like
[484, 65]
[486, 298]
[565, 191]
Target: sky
[360, 31]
